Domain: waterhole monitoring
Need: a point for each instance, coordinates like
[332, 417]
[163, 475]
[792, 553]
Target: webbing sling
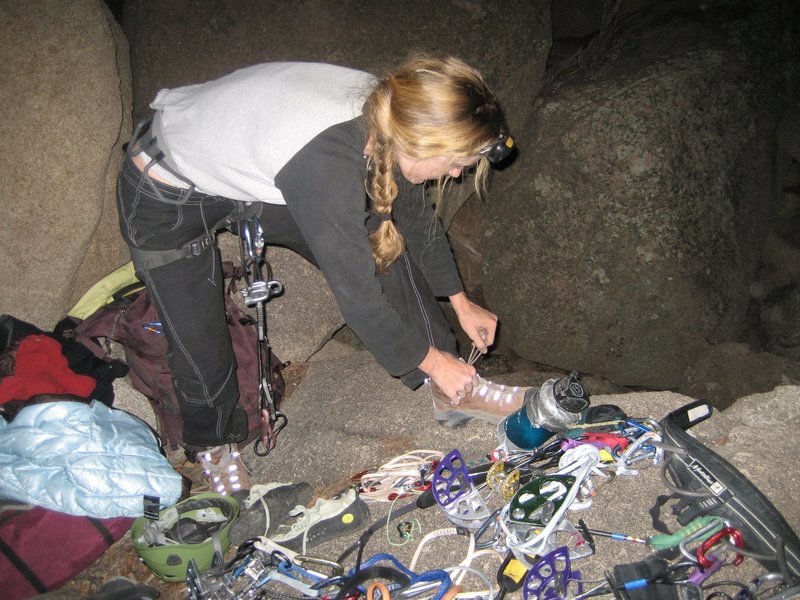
[145, 260]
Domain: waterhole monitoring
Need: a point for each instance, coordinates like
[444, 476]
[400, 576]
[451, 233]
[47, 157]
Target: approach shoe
[223, 469]
[265, 507]
[487, 401]
[326, 520]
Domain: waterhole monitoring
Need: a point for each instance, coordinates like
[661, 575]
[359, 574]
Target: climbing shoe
[122, 588]
[264, 507]
[223, 469]
[487, 401]
[326, 520]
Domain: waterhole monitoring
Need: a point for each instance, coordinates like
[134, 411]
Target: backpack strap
[127, 290]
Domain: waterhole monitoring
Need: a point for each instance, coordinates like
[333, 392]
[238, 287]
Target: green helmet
[192, 529]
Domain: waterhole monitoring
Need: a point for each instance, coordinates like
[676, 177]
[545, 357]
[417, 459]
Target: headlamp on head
[499, 150]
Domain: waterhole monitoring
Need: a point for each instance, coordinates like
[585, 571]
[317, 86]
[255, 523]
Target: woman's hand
[453, 376]
[477, 322]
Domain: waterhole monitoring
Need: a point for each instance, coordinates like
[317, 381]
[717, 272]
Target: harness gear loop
[257, 293]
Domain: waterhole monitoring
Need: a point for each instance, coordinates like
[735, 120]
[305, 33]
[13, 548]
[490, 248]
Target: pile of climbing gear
[522, 507]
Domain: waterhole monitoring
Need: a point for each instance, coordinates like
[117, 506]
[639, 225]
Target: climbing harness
[259, 290]
[144, 143]
[714, 486]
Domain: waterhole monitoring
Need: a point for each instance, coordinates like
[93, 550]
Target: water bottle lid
[570, 393]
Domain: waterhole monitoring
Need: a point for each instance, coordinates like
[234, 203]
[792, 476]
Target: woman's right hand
[453, 376]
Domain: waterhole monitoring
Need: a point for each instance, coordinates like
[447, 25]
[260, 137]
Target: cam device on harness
[257, 294]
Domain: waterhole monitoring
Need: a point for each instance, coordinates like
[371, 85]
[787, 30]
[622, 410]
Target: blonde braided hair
[429, 107]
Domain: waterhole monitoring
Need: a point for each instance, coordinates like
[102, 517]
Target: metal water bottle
[553, 408]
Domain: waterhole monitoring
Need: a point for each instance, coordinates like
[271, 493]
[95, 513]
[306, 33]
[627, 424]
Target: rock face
[183, 42]
[642, 210]
[776, 290]
[724, 372]
[65, 97]
[622, 242]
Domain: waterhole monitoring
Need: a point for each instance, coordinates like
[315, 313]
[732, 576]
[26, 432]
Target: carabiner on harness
[257, 293]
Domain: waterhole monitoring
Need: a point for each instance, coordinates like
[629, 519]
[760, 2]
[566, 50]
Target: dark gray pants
[188, 293]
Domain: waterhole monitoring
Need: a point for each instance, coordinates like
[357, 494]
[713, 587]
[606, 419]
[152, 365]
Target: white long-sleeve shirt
[232, 135]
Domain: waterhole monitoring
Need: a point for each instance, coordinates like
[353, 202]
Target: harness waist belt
[144, 139]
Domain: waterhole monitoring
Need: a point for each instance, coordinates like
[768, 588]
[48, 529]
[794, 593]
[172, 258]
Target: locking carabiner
[736, 538]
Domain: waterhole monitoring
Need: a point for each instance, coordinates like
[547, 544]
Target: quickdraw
[256, 294]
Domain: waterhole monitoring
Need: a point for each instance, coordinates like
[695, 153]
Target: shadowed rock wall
[623, 241]
[65, 97]
[647, 196]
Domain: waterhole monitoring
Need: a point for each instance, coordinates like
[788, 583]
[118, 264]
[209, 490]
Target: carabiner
[714, 525]
[639, 449]
[270, 428]
[736, 538]
[335, 568]
[490, 523]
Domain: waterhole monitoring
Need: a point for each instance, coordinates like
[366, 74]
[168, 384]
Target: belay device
[257, 293]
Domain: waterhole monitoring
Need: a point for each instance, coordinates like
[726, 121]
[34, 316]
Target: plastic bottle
[555, 407]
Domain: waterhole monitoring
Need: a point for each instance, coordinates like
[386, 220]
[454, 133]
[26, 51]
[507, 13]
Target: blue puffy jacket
[83, 459]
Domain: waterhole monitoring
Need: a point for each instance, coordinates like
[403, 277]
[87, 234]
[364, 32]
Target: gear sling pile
[723, 518]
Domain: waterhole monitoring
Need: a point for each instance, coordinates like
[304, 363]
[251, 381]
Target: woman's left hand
[477, 322]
